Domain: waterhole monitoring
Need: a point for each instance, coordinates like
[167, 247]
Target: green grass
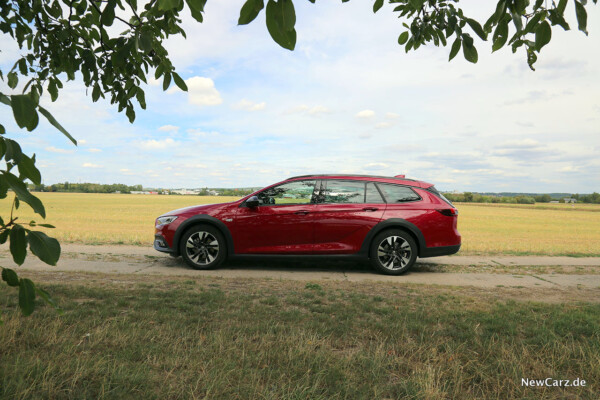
[263, 339]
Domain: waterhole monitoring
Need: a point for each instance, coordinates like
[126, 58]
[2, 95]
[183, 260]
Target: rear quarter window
[398, 194]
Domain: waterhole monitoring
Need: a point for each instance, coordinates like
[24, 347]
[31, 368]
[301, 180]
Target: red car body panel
[318, 228]
[342, 228]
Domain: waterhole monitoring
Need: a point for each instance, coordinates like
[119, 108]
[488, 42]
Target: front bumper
[160, 244]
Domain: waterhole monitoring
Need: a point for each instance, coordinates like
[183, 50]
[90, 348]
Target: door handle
[370, 209]
[302, 212]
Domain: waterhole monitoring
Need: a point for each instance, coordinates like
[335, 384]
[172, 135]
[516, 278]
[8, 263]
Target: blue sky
[347, 100]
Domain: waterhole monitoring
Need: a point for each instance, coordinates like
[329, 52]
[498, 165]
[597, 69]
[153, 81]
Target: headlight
[165, 220]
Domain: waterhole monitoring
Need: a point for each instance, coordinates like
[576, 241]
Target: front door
[281, 224]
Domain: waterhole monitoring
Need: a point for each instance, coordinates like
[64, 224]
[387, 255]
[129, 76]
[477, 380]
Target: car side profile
[388, 220]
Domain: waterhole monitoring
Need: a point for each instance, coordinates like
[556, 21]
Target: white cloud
[249, 105]
[200, 133]
[570, 168]
[125, 170]
[318, 110]
[81, 141]
[365, 114]
[94, 150]
[303, 108]
[383, 125]
[168, 128]
[376, 166]
[153, 144]
[392, 115]
[90, 165]
[202, 92]
[57, 150]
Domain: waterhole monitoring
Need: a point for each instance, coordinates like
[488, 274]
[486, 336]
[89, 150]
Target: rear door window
[344, 192]
[398, 194]
[373, 195]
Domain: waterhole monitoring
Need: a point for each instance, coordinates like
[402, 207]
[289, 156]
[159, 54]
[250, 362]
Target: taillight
[449, 212]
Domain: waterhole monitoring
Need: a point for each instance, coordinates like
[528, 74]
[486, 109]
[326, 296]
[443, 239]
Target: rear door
[346, 211]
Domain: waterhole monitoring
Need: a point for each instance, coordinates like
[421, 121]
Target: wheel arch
[202, 220]
[394, 223]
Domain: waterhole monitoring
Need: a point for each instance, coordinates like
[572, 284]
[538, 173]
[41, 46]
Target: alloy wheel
[202, 248]
[394, 253]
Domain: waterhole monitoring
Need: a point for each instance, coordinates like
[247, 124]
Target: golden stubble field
[542, 229]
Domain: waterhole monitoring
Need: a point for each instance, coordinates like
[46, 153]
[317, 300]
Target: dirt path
[483, 272]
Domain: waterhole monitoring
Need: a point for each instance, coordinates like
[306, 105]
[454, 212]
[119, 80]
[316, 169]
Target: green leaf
[18, 244]
[55, 123]
[53, 90]
[179, 82]
[108, 14]
[197, 15]
[13, 80]
[46, 225]
[581, 17]
[13, 151]
[23, 194]
[23, 108]
[166, 5]
[145, 41]
[250, 11]
[2, 129]
[4, 99]
[377, 5]
[543, 34]
[197, 5]
[3, 191]
[403, 38]
[4, 236]
[10, 277]
[26, 296]
[130, 112]
[44, 247]
[28, 169]
[470, 52]
[562, 4]
[166, 80]
[281, 18]
[500, 36]
[476, 28]
[455, 48]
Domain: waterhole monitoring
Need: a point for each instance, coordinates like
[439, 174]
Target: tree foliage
[113, 46]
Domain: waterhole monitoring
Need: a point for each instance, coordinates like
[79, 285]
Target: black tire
[199, 250]
[393, 252]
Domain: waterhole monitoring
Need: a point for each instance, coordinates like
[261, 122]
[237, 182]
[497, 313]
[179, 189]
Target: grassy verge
[229, 339]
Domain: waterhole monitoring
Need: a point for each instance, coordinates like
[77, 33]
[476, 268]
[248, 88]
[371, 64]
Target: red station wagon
[389, 220]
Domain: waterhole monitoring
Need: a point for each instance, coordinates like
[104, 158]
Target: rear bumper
[439, 251]
[160, 244]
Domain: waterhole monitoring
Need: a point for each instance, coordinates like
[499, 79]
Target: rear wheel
[393, 252]
[203, 247]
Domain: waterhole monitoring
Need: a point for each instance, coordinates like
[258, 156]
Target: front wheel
[203, 247]
[393, 252]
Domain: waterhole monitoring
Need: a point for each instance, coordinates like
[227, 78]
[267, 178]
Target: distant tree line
[85, 188]
[468, 197]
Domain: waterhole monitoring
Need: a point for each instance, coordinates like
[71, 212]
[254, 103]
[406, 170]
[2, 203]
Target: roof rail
[399, 177]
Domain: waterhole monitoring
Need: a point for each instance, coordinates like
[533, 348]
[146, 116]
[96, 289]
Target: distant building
[570, 200]
[554, 201]
[186, 191]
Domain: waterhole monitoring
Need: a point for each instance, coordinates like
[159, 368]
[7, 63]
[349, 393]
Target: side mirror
[252, 202]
